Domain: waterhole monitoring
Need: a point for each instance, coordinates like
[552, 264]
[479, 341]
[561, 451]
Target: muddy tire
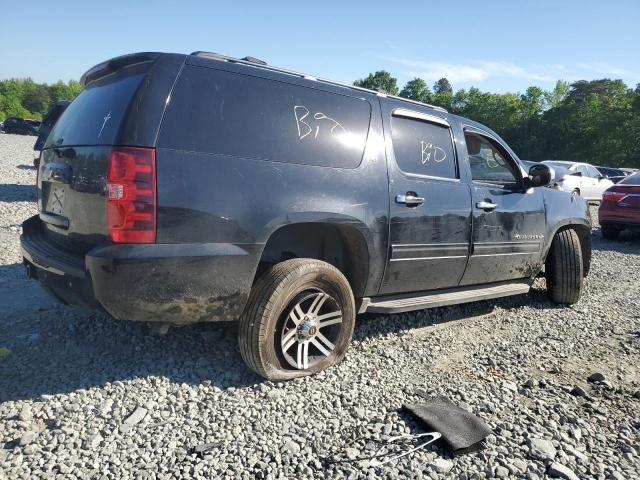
[298, 320]
[564, 268]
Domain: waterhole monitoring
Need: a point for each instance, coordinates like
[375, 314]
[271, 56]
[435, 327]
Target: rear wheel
[564, 268]
[299, 320]
[610, 232]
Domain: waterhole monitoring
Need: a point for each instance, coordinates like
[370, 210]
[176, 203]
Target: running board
[439, 298]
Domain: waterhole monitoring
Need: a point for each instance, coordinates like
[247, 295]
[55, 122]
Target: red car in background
[620, 207]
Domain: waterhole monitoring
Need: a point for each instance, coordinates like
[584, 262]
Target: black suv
[21, 126]
[197, 188]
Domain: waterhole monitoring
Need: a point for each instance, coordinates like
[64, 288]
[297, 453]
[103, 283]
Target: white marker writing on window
[431, 152]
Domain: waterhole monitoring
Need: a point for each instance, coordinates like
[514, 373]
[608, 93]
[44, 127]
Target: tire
[564, 268]
[610, 232]
[273, 332]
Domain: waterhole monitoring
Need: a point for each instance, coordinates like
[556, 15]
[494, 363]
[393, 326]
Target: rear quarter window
[95, 116]
[235, 115]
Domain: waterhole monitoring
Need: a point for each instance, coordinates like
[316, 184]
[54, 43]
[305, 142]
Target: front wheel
[564, 268]
[298, 320]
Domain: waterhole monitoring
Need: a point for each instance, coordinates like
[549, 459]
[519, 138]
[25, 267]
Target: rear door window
[95, 116]
[423, 147]
[241, 116]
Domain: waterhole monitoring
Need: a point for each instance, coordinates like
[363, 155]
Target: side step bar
[439, 298]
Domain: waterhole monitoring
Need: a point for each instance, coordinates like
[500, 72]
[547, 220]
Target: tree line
[22, 97]
[595, 121]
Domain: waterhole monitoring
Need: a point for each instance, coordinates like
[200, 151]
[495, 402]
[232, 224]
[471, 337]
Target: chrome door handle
[484, 205]
[409, 200]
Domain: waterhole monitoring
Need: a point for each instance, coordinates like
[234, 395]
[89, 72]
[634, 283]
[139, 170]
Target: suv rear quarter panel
[208, 198]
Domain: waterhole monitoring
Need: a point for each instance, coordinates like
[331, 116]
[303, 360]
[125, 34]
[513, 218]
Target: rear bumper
[176, 283]
[613, 214]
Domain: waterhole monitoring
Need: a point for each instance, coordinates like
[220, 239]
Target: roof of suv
[255, 62]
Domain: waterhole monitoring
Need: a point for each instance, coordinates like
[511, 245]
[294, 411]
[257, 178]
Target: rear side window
[217, 112]
[95, 116]
[422, 147]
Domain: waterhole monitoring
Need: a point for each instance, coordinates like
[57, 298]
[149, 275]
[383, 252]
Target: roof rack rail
[255, 62]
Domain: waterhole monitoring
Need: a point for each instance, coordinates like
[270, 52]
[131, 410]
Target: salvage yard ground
[85, 396]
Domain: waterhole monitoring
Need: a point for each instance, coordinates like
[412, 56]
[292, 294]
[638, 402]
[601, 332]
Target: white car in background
[581, 178]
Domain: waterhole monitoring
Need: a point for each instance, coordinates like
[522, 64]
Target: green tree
[380, 80]
[416, 89]
[28, 99]
[35, 97]
[442, 86]
[555, 97]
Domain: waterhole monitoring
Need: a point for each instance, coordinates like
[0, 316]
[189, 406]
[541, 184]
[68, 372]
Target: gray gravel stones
[136, 416]
[542, 449]
[27, 438]
[75, 377]
[105, 408]
[25, 414]
[558, 470]
[442, 465]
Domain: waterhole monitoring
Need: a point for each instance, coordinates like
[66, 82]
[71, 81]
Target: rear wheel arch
[342, 245]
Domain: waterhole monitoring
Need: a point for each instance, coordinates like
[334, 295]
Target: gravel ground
[85, 396]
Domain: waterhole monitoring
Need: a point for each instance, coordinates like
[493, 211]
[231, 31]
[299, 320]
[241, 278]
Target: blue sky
[494, 45]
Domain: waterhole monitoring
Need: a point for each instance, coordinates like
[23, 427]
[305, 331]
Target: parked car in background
[620, 207]
[21, 126]
[581, 178]
[197, 188]
[613, 174]
[49, 121]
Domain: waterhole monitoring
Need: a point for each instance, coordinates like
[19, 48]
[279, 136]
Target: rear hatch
[74, 165]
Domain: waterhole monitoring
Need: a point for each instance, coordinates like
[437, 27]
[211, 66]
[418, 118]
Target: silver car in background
[581, 178]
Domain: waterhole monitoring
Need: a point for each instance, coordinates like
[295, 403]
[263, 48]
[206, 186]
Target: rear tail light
[131, 195]
[613, 196]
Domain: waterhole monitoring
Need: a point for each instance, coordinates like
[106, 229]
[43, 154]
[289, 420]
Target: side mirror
[539, 176]
[600, 177]
[577, 174]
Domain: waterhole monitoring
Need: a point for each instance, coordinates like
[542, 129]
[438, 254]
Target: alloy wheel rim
[310, 329]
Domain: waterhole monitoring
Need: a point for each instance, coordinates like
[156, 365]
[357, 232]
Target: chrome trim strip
[430, 177]
[503, 254]
[412, 114]
[427, 258]
[434, 245]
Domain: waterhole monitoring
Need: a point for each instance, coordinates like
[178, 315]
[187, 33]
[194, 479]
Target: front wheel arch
[564, 267]
[584, 235]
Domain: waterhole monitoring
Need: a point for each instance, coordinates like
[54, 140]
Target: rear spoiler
[115, 64]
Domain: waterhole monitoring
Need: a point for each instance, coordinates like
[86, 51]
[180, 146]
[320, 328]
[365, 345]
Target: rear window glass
[423, 148]
[633, 179]
[217, 112]
[95, 116]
